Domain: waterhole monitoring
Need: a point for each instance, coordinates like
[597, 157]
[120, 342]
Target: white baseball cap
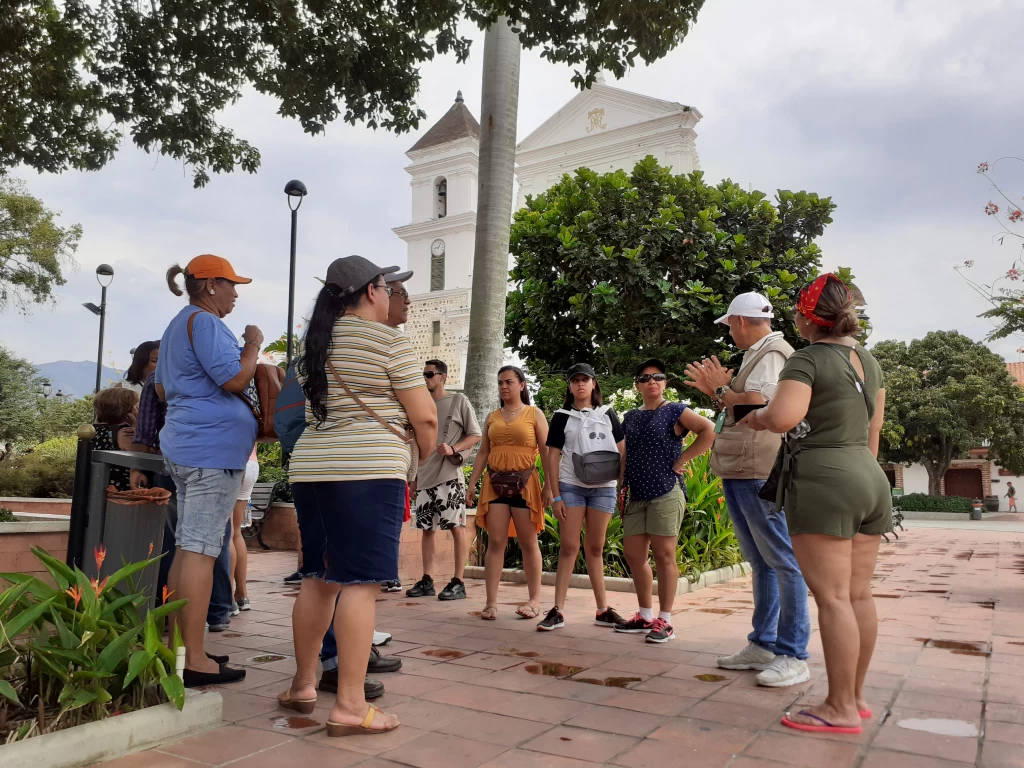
[748, 305]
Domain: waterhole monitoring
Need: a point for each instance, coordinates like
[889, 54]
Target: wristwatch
[720, 392]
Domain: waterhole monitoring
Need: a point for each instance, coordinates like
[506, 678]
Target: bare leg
[239, 552]
[826, 563]
[528, 544]
[664, 548]
[498, 516]
[191, 578]
[568, 550]
[311, 615]
[427, 550]
[461, 546]
[865, 555]
[593, 548]
[636, 548]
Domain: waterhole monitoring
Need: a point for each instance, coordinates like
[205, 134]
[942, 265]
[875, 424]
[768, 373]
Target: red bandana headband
[809, 299]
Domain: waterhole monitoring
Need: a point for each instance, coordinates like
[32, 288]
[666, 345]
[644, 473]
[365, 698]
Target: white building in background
[604, 129]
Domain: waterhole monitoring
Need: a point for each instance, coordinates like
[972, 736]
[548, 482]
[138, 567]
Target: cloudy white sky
[885, 106]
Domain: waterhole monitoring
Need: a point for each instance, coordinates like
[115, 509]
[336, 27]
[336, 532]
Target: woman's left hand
[679, 468]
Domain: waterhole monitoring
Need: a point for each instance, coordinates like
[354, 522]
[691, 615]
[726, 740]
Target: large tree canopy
[78, 74]
[612, 269]
[947, 394]
[34, 250]
[19, 384]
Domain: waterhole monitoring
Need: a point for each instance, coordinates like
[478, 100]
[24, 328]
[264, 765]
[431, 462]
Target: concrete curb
[938, 515]
[617, 584]
[116, 736]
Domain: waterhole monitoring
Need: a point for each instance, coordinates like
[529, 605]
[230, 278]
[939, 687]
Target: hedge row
[922, 502]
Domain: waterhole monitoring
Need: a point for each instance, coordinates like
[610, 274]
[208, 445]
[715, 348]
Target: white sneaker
[381, 638]
[751, 657]
[783, 672]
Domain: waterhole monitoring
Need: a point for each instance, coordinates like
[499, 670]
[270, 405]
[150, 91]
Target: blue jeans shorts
[601, 499]
[206, 498]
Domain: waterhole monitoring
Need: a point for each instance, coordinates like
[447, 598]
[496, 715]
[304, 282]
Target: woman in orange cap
[208, 434]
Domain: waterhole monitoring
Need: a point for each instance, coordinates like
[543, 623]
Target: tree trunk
[499, 107]
[936, 471]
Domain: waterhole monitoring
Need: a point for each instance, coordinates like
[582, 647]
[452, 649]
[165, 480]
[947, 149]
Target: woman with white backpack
[586, 446]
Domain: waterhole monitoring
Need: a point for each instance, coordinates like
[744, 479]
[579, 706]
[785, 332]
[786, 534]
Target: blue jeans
[781, 622]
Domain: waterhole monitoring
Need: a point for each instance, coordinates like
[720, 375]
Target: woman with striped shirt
[364, 389]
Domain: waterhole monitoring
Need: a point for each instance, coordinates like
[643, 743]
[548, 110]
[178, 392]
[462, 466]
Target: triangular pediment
[600, 110]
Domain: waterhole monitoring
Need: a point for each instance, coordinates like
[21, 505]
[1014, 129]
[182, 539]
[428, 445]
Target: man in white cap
[743, 458]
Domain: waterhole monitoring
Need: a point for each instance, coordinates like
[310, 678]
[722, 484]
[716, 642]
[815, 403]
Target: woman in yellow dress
[511, 443]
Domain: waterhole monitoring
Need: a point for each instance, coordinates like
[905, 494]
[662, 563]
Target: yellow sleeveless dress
[513, 448]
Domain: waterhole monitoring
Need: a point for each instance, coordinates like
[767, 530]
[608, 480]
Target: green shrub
[43, 475]
[922, 502]
[6, 516]
[61, 449]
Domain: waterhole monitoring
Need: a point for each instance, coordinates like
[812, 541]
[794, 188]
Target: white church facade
[604, 129]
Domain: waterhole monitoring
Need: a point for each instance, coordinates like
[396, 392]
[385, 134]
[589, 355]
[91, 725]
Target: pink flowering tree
[1006, 299]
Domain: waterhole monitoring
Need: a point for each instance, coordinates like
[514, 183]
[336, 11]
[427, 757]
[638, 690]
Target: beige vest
[740, 453]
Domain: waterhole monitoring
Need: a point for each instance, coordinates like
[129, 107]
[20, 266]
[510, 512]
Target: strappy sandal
[528, 611]
[363, 729]
[489, 613]
[302, 706]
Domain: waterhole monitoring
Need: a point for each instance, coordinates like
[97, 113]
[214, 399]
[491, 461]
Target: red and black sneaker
[609, 617]
[661, 632]
[635, 626]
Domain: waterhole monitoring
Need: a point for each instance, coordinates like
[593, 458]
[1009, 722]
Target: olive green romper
[835, 486]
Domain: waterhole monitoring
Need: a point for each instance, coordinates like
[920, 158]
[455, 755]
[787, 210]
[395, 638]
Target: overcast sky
[885, 106]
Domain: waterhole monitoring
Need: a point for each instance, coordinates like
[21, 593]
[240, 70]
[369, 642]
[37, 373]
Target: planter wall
[17, 540]
[37, 506]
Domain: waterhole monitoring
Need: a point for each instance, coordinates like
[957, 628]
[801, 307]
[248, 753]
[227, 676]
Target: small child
[115, 410]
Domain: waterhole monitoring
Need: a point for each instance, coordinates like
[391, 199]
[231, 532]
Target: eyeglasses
[643, 378]
[403, 293]
[431, 374]
[386, 288]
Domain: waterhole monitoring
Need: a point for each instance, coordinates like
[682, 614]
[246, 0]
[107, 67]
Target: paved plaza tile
[946, 683]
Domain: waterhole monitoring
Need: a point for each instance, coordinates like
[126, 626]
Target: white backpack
[595, 459]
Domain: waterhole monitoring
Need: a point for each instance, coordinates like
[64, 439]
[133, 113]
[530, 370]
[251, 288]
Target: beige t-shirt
[437, 469]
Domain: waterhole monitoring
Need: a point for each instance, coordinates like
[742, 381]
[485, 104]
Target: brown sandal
[528, 611]
[363, 729]
[489, 613]
[302, 706]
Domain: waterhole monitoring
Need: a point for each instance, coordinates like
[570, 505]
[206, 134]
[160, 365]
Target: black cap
[396, 277]
[580, 368]
[652, 363]
[351, 273]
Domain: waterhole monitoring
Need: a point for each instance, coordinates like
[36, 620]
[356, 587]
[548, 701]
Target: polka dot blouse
[652, 447]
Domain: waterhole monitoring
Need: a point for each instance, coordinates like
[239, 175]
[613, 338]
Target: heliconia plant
[81, 650]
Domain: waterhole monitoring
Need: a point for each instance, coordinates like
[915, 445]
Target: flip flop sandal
[528, 611]
[825, 727]
[363, 729]
[489, 613]
[865, 713]
[302, 706]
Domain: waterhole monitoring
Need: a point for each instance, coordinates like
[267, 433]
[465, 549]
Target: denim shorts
[350, 529]
[601, 499]
[206, 498]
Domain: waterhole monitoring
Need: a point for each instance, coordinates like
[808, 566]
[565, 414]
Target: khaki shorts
[662, 516]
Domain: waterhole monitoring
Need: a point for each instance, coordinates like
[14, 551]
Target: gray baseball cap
[397, 277]
[351, 273]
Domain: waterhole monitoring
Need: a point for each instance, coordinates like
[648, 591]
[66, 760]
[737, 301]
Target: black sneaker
[295, 578]
[455, 590]
[554, 620]
[609, 617]
[422, 588]
[372, 689]
[661, 632]
[391, 586]
[635, 626]
[380, 663]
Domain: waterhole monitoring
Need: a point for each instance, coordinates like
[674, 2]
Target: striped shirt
[376, 362]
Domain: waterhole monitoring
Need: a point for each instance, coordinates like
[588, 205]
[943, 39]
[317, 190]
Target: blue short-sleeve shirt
[652, 447]
[205, 426]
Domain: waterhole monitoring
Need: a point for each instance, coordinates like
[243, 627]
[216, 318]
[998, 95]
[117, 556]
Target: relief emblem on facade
[596, 117]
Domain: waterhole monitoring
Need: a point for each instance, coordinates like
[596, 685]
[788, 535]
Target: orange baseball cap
[209, 265]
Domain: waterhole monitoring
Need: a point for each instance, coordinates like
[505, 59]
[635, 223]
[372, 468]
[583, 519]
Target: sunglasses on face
[643, 378]
[431, 374]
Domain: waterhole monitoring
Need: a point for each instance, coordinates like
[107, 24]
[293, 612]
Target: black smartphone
[742, 410]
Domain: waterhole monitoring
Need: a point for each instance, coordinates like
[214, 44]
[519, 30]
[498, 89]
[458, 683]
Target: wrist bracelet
[557, 498]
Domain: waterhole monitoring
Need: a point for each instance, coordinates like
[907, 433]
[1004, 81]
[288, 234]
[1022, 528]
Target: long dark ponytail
[317, 346]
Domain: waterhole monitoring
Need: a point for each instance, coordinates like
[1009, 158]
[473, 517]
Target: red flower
[991, 209]
[150, 553]
[98, 586]
[100, 553]
[1013, 274]
[982, 167]
[1015, 215]
[167, 593]
[75, 593]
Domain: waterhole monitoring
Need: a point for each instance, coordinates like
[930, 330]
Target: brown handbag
[509, 484]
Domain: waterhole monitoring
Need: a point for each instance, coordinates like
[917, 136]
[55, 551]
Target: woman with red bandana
[830, 403]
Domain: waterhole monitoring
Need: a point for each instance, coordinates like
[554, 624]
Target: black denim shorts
[350, 529]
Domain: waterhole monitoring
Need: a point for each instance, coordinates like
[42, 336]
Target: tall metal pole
[291, 289]
[99, 352]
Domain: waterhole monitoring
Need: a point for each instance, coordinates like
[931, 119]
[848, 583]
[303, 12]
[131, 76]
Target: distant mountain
[76, 379]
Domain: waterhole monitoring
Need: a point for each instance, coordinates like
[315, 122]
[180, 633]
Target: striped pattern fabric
[375, 361]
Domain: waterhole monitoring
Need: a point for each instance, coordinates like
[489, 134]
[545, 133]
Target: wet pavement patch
[959, 728]
[978, 646]
[722, 611]
[553, 670]
[294, 723]
[444, 653]
[508, 651]
[609, 682]
[266, 658]
[708, 678]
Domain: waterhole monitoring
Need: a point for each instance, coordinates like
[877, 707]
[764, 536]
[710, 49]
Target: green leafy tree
[163, 72]
[34, 250]
[615, 268]
[62, 417]
[19, 387]
[947, 394]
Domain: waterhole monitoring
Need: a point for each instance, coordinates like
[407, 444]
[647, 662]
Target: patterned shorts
[442, 507]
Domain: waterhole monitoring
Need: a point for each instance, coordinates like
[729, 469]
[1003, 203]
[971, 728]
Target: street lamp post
[295, 189]
[104, 272]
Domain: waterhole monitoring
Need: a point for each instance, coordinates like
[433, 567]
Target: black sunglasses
[431, 374]
[643, 378]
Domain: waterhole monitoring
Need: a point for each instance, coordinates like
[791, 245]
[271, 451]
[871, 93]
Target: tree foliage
[165, 71]
[612, 269]
[19, 385]
[34, 250]
[945, 395]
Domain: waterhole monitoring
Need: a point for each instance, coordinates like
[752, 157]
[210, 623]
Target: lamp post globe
[295, 190]
[104, 276]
